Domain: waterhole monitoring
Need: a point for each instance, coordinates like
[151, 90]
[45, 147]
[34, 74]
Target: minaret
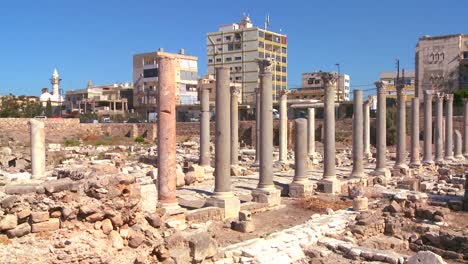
[55, 81]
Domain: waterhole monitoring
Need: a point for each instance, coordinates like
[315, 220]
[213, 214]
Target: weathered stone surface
[8, 222]
[426, 257]
[394, 207]
[202, 246]
[203, 215]
[21, 230]
[136, 239]
[243, 226]
[116, 240]
[154, 220]
[50, 225]
[107, 226]
[59, 185]
[8, 202]
[38, 217]
[23, 189]
[180, 176]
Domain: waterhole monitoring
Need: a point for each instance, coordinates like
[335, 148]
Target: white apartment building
[239, 46]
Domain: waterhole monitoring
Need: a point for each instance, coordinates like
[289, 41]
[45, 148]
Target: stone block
[38, 217]
[385, 173]
[272, 197]
[243, 226]
[9, 201]
[330, 186]
[245, 216]
[116, 240]
[50, 225]
[202, 246]
[22, 188]
[231, 205]
[426, 257]
[59, 185]
[300, 190]
[8, 222]
[203, 215]
[19, 231]
[360, 204]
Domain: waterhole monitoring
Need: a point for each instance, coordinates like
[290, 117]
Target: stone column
[257, 127]
[331, 184]
[381, 164]
[449, 127]
[38, 160]
[415, 161]
[439, 140]
[400, 162]
[427, 160]
[223, 196]
[300, 186]
[358, 147]
[167, 176]
[205, 155]
[235, 92]
[458, 145]
[465, 128]
[266, 191]
[283, 137]
[311, 132]
[366, 127]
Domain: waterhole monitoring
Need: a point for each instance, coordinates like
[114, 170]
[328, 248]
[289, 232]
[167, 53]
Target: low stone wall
[57, 130]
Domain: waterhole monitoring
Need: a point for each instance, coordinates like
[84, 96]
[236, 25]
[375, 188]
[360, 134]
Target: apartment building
[312, 88]
[103, 100]
[441, 63]
[390, 77]
[239, 46]
[145, 80]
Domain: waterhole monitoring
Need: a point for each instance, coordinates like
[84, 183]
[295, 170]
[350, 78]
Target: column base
[358, 175]
[428, 162]
[415, 165]
[368, 156]
[449, 158]
[382, 172]
[466, 155]
[270, 196]
[459, 157]
[169, 206]
[332, 185]
[402, 172]
[301, 189]
[228, 202]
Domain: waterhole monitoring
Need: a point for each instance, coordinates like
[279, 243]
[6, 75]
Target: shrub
[139, 139]
[71, 142]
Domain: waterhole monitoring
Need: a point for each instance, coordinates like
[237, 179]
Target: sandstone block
[202, 246]
[203, 215]
[243, 226]
[107, 226]
[8, 222]
[426, 257]
[38, 217]
[59, 185]
[116, 240]
[245, 216]
[50, 225]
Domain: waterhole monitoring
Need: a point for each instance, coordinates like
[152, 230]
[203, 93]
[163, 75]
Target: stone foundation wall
[57, 130]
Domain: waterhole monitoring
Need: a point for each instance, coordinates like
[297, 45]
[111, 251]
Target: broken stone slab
[9, 201]
[8, 222]
[243, 226]
[60, 185]
[38, 217]
[202, 246]
[24, 188]
[426, 257]
[205, 214]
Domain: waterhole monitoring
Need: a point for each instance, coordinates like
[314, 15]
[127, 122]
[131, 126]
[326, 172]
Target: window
[283, 78]
[149, 73]
[238, 78]
[283, 59]
[237, 36]
[228, 59]
[218, 60]
[210, 60]
[218, 40]
[220, 48]
[186, 75]
[261, 44]
[237, 58]
[261, 34]
[228, 38]
[283, 49]
[278, 68]
[283, 69]
[317, 81]
[465, 54]
[261, 55]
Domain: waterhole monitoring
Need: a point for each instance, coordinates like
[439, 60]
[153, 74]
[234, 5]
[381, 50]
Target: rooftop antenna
[267, 22]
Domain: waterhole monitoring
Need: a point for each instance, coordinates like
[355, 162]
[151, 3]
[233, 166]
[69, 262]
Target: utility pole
[338, 90]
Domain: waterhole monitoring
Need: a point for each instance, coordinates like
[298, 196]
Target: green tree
[48, 109]
[391, 126]
[32, 109]
[10, 107]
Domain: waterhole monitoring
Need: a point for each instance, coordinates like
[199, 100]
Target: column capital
[440, 96]
[235, 91]
[328, 78]
[449, 97]
[265, 65]
[429, 92]
[284, 92]
[381, 87]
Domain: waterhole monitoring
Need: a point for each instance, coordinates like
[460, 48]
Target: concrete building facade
[389, 79]
[145, 80]
[312, 88]
[441, 63]
[239, 46]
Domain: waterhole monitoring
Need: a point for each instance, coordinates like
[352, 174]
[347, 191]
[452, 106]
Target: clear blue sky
[95, 39]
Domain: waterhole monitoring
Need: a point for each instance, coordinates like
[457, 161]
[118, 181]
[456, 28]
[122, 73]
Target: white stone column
[458, 145]
[465, 128]
[449, 127]
[366, 128]
[427, 160]
[235, 93]
[283, 137]
[381, 161]
[400, 162]
[415, 160]
[311, 132]
[38, 160]
[439, 128]
[358, 147]
[300, 186]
